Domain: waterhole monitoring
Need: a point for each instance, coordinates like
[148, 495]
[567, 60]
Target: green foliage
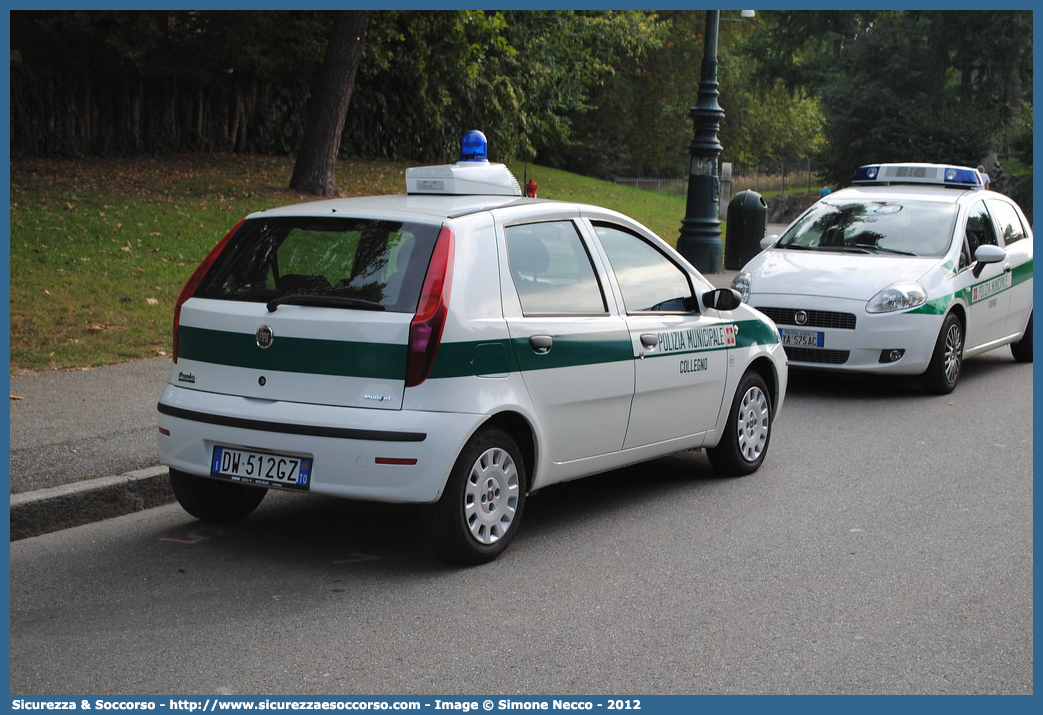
[887, 103]
[1021, 139]
[425, 78]
[775, 122]
[124, 82]
[1022, 192]
[602, 138]
[639, 122]
[802, 47]
[516, 75]
[604, 93]
[904, 85]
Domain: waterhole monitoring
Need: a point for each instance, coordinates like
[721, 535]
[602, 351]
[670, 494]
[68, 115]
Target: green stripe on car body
[938, 306]
[342, 358]
[978, 292]
[464, 359]
[1023, 272]
[754, 332]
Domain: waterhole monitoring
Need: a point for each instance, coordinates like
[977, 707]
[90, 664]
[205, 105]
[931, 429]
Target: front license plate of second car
[261, 468]
[802, 338]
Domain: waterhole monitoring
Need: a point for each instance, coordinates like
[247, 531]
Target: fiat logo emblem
[264, 337]
[801, 317]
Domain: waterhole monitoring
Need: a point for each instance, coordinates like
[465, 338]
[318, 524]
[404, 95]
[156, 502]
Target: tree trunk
[313, 172]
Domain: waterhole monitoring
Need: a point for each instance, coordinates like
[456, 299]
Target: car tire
[943, 372]
[747, 430]
[1022, 350]
[481, 506]
[213, 500]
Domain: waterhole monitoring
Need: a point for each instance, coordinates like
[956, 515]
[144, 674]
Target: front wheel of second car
[747, 430]
[213, 500]
[943, 372]
[481, 506]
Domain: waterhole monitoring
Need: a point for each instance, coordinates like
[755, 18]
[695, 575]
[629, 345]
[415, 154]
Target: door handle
[541, 344]
[650, 341]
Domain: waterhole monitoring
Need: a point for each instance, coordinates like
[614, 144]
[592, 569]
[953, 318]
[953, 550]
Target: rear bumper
[380, 455]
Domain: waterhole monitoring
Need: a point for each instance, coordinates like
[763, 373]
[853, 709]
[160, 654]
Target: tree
[313, 171]
[938, 86]
[637, 121]
[898, 97]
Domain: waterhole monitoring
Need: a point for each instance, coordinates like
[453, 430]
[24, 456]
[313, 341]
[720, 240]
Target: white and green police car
[460, 346]
[907, 272]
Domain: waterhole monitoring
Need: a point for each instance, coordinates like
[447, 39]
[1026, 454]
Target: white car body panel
[833, 275]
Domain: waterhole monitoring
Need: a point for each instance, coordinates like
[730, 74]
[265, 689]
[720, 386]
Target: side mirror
[722, 299]
[768, 241]
[987, 254]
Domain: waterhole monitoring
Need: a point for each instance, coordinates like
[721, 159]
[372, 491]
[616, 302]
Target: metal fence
[794, 175]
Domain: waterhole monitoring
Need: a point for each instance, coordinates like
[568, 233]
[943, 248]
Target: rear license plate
[261, 468]
[802, 338]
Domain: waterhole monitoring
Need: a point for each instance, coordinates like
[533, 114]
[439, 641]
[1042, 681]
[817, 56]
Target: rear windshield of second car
[378, 262]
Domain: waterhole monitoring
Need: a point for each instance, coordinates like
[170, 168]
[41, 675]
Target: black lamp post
[700, 239]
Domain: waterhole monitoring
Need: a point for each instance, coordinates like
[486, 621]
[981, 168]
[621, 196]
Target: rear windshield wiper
[322, 301]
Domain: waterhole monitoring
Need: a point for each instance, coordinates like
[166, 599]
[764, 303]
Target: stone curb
[46, 510]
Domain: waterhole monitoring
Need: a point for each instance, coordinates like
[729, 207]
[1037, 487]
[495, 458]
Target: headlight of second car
[741, 283]
[898, 296]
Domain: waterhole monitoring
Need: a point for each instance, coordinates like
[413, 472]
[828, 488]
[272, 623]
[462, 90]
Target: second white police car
[907, 272]
[461, 347]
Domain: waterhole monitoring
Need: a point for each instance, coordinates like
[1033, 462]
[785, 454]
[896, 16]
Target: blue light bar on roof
[472, 175]
[934, 174]
[474, 147]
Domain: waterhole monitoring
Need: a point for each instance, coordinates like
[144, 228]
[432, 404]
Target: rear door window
[1008, 221]
[324, 261]
[552, 270]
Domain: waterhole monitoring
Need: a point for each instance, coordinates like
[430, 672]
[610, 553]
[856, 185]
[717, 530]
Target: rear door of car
[1016, 236]
[572, 347]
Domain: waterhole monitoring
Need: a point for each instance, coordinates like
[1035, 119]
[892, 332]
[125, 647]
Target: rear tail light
[193, 283]
[425, 330]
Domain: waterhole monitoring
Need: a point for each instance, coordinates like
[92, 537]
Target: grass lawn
[100, 248]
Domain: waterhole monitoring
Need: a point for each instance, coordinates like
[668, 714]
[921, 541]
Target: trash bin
[747, 220]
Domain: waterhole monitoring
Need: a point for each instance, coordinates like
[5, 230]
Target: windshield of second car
[914, 228]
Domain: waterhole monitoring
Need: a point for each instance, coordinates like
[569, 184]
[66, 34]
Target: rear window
[347, 262]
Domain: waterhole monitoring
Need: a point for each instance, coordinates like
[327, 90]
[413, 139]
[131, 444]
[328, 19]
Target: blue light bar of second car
[866, 173]
[962, 176]
[933, 174]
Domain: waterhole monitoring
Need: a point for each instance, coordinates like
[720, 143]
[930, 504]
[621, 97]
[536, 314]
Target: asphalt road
[884, 547]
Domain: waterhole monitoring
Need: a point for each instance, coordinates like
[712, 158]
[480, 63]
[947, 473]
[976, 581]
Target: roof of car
[905, 192]
[399, 206]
